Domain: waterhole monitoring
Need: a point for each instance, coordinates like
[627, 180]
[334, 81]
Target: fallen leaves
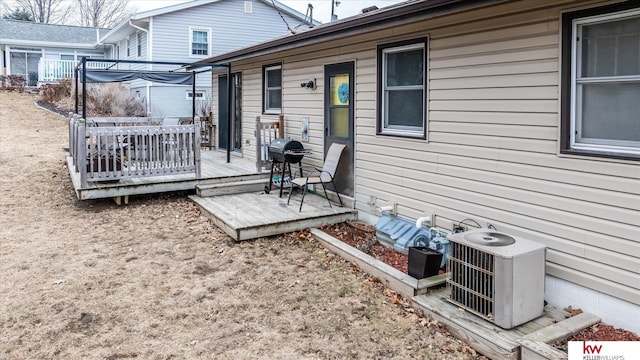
[572, 312]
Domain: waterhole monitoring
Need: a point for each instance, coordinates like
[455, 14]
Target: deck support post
[119, 200]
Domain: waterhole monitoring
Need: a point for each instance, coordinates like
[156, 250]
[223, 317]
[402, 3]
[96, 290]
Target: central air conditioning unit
[496, 276]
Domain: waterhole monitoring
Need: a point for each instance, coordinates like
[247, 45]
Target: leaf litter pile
[363, 237]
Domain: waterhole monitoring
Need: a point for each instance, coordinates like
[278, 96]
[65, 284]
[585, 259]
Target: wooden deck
[529, 341]
[252, 215]
[215, 169]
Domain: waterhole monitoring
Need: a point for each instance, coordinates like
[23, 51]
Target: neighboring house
[191, 32]
[521, 114]
[46, 52]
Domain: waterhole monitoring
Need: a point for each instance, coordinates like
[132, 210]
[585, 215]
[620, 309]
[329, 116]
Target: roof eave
[49, 43]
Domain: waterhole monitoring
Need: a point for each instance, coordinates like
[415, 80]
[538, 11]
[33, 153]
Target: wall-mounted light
[311, 84]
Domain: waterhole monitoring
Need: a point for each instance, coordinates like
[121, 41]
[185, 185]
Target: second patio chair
[316, 176]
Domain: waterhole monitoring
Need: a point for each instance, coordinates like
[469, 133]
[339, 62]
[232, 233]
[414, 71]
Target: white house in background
[521, 113]
[46, 52]
[191, 32]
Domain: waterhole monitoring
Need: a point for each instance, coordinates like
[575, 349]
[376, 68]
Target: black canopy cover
[100, 76]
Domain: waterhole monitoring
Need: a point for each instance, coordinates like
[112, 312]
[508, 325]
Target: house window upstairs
[601, 93]
[200, 44]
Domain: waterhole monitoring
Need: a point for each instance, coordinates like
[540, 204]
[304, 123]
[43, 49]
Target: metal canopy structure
[168, 77]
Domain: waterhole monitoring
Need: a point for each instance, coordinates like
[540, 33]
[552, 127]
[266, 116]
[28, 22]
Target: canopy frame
[170, 76]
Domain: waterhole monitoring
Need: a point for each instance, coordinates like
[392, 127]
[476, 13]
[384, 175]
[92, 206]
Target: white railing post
[81, 152]
[71, 135]
[197, 136]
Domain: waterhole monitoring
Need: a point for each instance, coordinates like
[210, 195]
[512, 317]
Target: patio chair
[316, 176]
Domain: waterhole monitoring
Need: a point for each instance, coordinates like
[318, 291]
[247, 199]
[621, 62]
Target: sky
[321, 8]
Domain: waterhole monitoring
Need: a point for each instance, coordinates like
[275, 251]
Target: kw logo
[591, 349]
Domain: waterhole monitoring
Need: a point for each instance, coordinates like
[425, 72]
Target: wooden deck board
[252, 215]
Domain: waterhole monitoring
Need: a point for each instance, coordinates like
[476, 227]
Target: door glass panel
[340, 122]
[237, 111]
[18, 63]
[339, 105]
[340, 89]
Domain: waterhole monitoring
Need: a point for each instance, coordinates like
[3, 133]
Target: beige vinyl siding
[492, 147]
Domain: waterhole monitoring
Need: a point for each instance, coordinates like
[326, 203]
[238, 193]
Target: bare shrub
[16, 83]
[53, 93]
[113, 100]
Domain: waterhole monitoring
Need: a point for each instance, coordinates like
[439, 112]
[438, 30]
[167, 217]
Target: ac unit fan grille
[471, 279]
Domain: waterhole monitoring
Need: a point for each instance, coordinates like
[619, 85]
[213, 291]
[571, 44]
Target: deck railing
[111, 153]
[50, 70]
[266, 132]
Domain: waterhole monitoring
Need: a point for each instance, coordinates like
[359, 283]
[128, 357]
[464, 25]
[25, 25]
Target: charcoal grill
[284, 152]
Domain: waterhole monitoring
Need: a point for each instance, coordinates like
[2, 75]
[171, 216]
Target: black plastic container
[423, 262]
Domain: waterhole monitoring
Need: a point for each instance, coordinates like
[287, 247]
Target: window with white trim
[402, 89]
[199, 95]
[272, 85]
[601, 115]
[139, 43]
[199, 40]
[128, 46]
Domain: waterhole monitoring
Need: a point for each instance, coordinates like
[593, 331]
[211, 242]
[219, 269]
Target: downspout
[84, 88]
[229, 102]
[149, 66]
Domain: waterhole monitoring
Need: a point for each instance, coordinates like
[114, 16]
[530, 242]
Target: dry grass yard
[155, 280]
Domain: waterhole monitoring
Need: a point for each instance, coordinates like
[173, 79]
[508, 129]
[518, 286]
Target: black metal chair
[320, 176]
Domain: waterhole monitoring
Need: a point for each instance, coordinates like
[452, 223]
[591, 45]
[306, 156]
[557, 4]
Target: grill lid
[286, 150]
[282, 146]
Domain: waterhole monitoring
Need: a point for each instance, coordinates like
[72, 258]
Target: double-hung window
[402, 89]
[601, 99]
[199, 42]
[272, 85]
[139, 43]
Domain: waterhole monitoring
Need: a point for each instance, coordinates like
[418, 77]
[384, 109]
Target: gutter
[149, 66]
[44, 43]
[382, 18]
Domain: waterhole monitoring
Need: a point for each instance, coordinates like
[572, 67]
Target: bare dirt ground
[156, 280]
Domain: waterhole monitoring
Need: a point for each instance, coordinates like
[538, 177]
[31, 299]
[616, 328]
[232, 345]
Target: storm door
[338, 119]
[236, 111]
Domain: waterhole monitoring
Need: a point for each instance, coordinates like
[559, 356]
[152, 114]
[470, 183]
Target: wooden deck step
[228, 188]
[536, 345]
[251, 215]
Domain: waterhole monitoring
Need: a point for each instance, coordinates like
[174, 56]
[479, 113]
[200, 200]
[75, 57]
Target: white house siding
[230, 27]
[492, 148]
